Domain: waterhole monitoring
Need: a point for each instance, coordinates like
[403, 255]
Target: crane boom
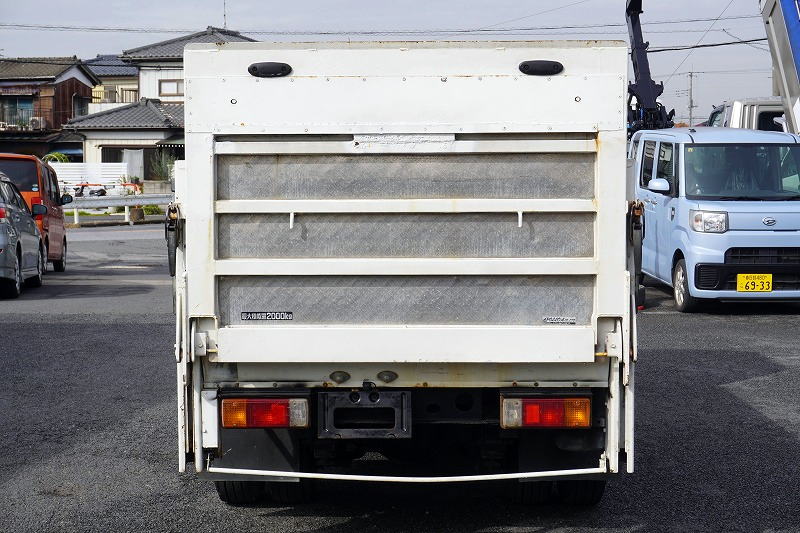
[648, 112]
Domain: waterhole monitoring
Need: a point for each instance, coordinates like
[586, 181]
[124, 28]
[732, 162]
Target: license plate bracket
[754, 283]
[374, 414]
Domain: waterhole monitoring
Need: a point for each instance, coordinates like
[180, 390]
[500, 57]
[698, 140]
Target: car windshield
[22, 172]
[742, 172]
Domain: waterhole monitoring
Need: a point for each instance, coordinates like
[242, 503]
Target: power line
[62, 27]
[711, 45]
[536, 14]
[691, 50]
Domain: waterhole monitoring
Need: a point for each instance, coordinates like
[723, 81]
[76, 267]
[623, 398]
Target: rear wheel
[534, 492]
[36, 281]
[684, 302]
[288, 492]
[60, 265]
[11, 288]
[581, 491]
[241, 492]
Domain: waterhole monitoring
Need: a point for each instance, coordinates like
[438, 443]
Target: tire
[684, 302]
[241, 492]
[291, 492]
[60, 265]
[534, 492]
[36, 281]
[583, 492]
[12, 288]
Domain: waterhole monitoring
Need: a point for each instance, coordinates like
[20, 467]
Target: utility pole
[225, 14]
[691, 99]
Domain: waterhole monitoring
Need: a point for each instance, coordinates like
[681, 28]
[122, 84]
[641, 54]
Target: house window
[16, 111]
[170, 87]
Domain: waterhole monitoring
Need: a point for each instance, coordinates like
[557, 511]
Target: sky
[722, 73]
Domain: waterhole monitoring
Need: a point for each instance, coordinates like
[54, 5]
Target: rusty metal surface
[377, 176]
[406, 235]
[404, 300]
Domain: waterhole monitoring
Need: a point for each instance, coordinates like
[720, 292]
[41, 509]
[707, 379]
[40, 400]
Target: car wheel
[11, 288]
[46, 256]
[586, 492]
[60, 265]
[684, 301]
[36, 281]
[241, 492]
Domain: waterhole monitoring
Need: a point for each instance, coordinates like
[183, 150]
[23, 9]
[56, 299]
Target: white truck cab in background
[412, 249]
[748, 113]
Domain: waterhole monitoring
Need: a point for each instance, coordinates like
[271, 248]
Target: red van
[37, 182]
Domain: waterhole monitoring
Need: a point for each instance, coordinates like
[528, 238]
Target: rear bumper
[449, 432]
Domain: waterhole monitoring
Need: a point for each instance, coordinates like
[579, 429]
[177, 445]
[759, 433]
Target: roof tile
[173, 48]
[147, 113]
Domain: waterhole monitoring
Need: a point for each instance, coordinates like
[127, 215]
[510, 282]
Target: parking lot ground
[89, 436]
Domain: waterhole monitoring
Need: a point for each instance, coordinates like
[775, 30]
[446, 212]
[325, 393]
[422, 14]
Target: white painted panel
[208, 407]
[149, 78]
[409, 344]
[406, 87]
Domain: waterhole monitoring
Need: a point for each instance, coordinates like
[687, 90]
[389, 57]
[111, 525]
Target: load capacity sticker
[267, 315]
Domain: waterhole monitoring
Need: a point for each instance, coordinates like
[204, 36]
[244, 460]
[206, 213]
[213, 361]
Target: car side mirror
[66, 199]
[659, 185]
[39, 209]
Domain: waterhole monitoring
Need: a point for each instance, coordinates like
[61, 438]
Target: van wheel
[534, 492]
[684, 302]
[11, 288]
[241, 492]
[291, 492]
[36, 281]
[586, 492]
[60, 265]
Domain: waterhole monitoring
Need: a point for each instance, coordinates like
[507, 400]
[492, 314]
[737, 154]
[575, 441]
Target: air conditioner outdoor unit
[37, 123]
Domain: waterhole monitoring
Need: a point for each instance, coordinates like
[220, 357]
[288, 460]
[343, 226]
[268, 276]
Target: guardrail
[126, 201]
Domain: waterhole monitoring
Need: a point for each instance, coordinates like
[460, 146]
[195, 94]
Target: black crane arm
[648, 113]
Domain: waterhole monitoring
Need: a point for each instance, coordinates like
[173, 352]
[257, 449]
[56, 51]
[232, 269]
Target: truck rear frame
[411, 222]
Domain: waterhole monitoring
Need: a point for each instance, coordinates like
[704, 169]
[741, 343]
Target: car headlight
[709, 221]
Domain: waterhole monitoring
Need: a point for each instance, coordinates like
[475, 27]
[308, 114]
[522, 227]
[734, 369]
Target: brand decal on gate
[267, 315]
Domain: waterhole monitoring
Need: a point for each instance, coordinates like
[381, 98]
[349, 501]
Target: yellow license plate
[754, 283]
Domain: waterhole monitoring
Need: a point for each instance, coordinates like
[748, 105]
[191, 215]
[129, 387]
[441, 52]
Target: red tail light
[264, 412]
[2, 213]
[546, 412]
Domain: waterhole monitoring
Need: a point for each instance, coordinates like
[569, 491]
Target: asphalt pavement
[87, 411]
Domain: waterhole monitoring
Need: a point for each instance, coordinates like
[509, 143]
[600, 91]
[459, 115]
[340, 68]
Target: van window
[742, 172]
[46, 192]
[55, 195]
[666, 164]
[22, 172]
[716, 118]
[766, 120]
[648, 156]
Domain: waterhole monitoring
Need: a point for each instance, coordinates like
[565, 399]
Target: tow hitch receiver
[365, 414]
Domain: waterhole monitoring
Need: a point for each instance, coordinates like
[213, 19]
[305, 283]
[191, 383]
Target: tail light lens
[2, 214]
[264, 412]
[546, 412]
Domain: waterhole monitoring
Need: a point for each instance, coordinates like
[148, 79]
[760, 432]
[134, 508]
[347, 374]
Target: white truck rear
[410, 251]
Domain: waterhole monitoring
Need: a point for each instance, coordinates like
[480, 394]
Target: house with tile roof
[37, 96]
[119, 82]
[161, 64]
[141, 131]
[42, 93]
[152, 126]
